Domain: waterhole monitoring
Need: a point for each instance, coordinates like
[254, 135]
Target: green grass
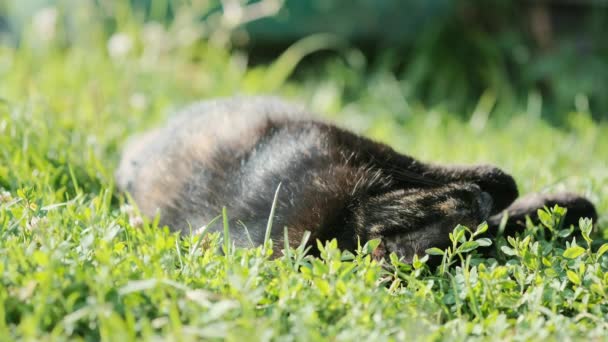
[77, 262]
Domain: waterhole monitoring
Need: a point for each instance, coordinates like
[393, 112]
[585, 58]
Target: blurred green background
[547, 56]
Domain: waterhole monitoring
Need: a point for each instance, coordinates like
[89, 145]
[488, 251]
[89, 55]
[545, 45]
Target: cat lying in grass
[333, 183]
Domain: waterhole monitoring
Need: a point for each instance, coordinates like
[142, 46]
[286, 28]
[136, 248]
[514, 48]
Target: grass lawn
[76, 261]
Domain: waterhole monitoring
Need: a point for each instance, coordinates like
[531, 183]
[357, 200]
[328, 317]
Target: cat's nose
[485, 204]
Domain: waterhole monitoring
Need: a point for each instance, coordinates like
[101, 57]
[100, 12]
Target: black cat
[334, 183]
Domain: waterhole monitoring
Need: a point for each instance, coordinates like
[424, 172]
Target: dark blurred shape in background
[451, 53]
[456, 50]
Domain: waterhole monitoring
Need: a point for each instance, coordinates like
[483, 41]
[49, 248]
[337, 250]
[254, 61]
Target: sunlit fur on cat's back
[234, 153]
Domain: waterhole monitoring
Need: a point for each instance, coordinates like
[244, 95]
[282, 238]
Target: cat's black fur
[334, 183]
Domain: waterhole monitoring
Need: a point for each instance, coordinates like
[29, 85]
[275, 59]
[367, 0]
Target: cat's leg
[528, 206]
[410, 221]
[409, 172]
[500, 185]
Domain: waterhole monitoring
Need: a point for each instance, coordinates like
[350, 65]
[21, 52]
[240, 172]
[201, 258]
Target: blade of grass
[287, 251]
[246, 233]
[271, 217]
[74, 181]
[226, 231]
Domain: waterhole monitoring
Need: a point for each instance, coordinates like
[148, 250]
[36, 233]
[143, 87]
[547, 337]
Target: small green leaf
[434, 251]
[598, 289]
[525, 242]
[458, 234]
[558, 211]
[468, 246]
[484, 242]
[545, 218]
[574, 252]
[417, 262]
[549, 272]
[573, 277]
[603, 249]
[323, 286]
[371, 245]
[585, 225]
[394, 259]
[508, 250]
[512, 241]
[482, 228]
